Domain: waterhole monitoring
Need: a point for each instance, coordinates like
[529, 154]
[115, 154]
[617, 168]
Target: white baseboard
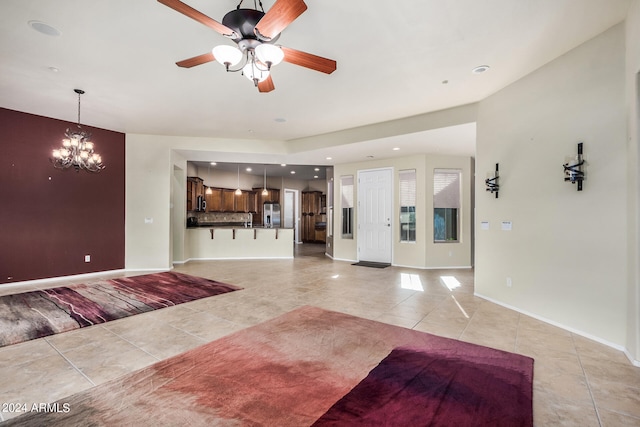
[50, 280]
[565, 327]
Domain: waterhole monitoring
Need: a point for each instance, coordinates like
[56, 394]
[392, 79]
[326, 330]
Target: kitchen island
[228, 242]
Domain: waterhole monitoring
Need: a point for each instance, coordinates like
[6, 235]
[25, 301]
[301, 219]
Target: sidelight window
[446, 205]
[407, 205]
[346, 197]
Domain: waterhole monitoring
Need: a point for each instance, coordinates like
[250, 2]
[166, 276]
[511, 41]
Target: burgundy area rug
[36, 314]
[292, 370]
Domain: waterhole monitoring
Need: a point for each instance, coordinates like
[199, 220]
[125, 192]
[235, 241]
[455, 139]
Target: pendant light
[209, 190]
[238, 191]
[264, 188]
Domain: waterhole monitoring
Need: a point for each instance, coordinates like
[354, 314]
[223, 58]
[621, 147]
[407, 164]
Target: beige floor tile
[550, 409]
[614, 419]
[205, 326]
[453, 330]
[18, 354]
[102, 359]
[158, 339]
[42, 380]
[616, 397]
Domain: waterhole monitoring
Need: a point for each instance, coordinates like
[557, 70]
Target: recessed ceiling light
[283, 164]
[316, 169]
[293, 172]
[315, 176]
[213, 163]
[481, 69]
[396, 148]
[329, 158]
[369, 156]
[43, 28]
[248, 169]
[444, 82]
[279, 120]
[54, 69]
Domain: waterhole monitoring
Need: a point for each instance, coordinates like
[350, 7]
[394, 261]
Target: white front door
[375, 202]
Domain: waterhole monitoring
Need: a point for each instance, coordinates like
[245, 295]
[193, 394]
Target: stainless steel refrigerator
[271, 215]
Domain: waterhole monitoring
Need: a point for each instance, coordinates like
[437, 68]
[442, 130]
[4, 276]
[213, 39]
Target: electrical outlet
[508, 282]
[87, 258]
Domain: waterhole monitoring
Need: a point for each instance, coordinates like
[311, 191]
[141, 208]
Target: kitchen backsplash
[232, 218]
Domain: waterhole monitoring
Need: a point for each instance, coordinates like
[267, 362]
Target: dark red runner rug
[37, 314]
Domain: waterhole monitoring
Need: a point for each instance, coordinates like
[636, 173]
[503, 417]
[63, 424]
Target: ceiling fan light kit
[254, 33]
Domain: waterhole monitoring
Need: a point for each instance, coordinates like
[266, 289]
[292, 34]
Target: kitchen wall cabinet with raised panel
[195, 188]
[228, 200]
[214, 200]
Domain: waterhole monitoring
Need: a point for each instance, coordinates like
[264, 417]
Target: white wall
[424, 253]
[633, 178]
[566, 254]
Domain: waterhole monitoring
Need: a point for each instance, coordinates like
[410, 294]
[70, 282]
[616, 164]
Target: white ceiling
[392, 60]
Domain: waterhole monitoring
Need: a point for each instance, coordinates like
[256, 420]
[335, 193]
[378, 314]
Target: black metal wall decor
[574, 169]
[492, 182]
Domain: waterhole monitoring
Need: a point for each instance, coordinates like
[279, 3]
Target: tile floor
[576, 381]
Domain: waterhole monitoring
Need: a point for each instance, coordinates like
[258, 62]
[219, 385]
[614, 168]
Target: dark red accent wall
[51, 218]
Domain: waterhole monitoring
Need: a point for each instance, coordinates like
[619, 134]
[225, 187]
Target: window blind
[407, 187]
[346, 187]
[446, 188]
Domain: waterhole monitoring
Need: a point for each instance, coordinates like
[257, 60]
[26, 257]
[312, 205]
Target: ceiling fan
[254, 33]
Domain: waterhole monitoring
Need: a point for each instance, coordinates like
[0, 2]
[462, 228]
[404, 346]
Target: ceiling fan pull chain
[239, 4]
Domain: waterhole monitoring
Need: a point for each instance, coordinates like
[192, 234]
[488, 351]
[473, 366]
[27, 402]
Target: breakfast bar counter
[238, 243]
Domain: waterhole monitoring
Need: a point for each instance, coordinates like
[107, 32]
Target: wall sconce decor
[574, 168]
[492, 181]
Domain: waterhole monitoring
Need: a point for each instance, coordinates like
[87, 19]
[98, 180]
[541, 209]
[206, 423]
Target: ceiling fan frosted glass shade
[226, 54]
[253, 72]
[269, 53]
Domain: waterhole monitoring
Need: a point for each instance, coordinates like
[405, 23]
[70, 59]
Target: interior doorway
[290, 208]
[177, 214]
[375, 215]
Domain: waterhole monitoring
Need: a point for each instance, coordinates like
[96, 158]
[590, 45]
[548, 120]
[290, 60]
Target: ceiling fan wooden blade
[266, 85]
[190, 12]
[281, 14]
[196, 60]
[308, 60]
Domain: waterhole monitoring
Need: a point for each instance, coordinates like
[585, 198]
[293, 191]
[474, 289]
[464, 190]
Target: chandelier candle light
[77, 149]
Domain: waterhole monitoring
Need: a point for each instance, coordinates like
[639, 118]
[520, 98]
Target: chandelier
[77, 149]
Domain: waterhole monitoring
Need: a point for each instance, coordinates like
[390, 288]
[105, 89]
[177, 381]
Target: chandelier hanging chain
[79, 92]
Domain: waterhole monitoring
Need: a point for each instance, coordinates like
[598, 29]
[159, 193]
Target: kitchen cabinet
[313, 227]
[251, 201]
[195, 188]
[242, 202]
[214, 200]
[228, 200]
